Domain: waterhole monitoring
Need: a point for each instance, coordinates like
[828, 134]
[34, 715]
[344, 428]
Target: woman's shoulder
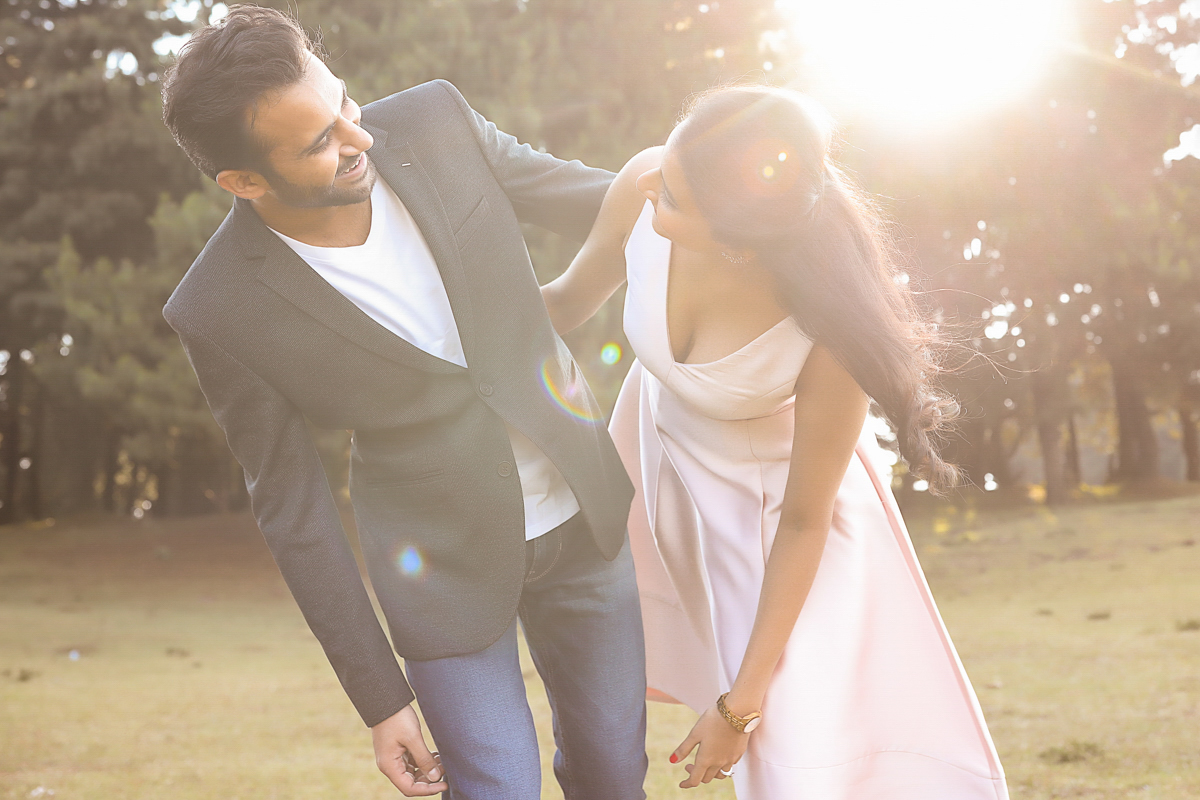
[625, 186]
[623, 203]
[643, 162]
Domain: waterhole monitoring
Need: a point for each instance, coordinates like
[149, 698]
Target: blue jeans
[583, 624]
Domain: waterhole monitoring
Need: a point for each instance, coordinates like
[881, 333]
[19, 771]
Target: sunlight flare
[921, 62]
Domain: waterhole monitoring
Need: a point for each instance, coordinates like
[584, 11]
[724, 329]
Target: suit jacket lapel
[294, 280]
[400, 167]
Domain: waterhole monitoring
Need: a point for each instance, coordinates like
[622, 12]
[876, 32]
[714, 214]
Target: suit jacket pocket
[395, 481]
[472, 223]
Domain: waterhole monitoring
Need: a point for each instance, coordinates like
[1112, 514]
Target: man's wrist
[380, 718]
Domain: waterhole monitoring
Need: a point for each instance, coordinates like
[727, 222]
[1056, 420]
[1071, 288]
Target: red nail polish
[674, 758]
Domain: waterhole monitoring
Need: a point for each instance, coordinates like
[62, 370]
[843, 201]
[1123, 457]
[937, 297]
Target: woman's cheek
[656, 222]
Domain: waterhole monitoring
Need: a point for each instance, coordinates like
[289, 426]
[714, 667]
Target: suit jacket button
[485, 389]
[504, 469]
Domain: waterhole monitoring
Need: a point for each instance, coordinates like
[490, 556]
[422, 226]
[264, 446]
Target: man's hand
[397, 739]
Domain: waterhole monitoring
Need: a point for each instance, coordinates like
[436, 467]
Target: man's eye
[324, 143]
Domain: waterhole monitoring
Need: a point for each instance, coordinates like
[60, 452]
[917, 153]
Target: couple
[372, 277]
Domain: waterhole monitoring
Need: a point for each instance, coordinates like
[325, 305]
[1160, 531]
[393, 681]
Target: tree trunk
[1047, 395]
[10, 441]
[1191, 442]
[1137, 445]
[966, 449]
[167, 504]
[74, 456]
[112, 466]
[995, 457]
[1053, 463]
[36, 453]
[195, 482]
[1074, 467]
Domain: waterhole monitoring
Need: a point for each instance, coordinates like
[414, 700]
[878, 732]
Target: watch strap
[739, 723]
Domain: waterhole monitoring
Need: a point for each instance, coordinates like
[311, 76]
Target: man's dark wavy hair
[211, 91]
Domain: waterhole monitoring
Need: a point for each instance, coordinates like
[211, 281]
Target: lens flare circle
[571, 398]
[610, 354]
[411, 562]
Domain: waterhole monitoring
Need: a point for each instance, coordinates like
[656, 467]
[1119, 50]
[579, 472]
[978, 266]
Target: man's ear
[244, 183]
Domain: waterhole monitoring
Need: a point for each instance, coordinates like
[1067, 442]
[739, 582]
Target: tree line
[1065, 195]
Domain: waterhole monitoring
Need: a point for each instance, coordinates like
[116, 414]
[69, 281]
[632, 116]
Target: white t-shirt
[393, 277]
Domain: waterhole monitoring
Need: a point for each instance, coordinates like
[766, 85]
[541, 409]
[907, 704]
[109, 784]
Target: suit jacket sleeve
[561, 196]
[298, 517]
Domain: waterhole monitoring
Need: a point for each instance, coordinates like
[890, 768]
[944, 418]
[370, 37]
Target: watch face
[752, 724]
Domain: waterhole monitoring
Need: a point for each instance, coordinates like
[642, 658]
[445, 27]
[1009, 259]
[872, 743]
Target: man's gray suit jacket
[436, 495]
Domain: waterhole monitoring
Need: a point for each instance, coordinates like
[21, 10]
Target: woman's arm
[830, 411]
[599, 268]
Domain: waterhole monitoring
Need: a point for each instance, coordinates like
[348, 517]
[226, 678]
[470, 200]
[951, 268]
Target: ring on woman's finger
[724, 773]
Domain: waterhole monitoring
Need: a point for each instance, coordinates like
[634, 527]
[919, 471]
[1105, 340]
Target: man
[372, 277]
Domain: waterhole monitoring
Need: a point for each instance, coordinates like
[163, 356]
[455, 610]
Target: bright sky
[918, 63]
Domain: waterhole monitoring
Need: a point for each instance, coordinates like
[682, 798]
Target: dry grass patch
[166, 660]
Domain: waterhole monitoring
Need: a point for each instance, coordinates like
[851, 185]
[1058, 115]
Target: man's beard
[322, 196]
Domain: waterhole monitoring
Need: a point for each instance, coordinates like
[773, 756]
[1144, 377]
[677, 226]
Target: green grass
[197, 678]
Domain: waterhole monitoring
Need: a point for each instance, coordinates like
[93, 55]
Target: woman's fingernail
[674, 758]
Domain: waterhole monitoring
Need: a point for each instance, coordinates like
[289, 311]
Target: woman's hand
[721, 746]
[599, 268]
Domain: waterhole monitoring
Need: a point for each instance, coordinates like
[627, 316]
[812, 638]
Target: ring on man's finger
[725, 774]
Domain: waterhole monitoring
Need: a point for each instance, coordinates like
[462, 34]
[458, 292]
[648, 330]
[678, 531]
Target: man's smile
[355, 167]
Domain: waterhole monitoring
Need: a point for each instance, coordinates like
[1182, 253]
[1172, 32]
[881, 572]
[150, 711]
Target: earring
[735, 258]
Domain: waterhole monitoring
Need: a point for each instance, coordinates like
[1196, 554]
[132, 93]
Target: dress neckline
[666, 319]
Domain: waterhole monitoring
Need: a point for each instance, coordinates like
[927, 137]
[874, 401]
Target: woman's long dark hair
[757, 161]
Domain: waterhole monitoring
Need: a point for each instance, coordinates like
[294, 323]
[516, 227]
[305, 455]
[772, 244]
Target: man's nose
[357, 139]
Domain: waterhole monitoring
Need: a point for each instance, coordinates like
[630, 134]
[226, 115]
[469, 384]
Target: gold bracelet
[744, 724]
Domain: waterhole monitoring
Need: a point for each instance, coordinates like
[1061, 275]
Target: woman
[781, 596]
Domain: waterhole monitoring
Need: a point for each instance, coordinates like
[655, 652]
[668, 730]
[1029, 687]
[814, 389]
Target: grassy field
[166, 660]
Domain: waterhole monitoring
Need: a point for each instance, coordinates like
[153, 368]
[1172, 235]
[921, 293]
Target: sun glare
[920, 62]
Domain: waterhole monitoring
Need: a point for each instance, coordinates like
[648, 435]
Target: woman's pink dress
[869, 699]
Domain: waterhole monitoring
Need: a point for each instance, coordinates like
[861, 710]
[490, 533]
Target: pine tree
[122, 363]
[82, 154]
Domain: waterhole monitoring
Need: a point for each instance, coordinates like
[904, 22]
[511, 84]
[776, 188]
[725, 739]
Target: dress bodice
[755, 381]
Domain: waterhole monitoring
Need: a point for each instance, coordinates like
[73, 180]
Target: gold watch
[744, 724]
